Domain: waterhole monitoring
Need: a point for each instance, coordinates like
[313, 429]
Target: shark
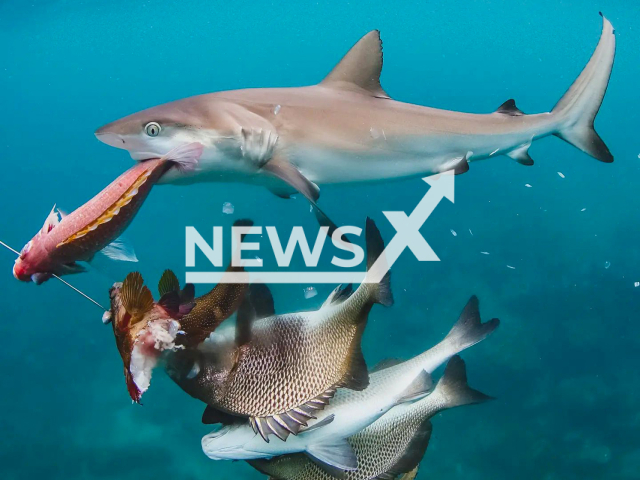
[347, 129]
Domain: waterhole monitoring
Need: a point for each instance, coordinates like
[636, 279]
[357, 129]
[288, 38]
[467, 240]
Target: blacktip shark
[347, 129]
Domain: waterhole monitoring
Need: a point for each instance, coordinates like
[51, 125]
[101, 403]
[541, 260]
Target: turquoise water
[563, 364]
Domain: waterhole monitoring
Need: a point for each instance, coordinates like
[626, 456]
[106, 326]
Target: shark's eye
[152, 129]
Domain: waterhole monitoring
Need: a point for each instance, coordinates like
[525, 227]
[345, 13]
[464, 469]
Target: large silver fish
[347, 129]
[282, 369]
[392, 446]
[350, 411]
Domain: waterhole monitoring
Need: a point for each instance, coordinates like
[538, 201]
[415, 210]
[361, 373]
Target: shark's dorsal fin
[360, 68]
[509, 108]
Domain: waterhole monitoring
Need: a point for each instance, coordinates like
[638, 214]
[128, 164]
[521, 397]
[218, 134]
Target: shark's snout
[112, 139]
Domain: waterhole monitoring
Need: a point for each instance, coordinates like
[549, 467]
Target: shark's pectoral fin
[521, 155]
[289, 174]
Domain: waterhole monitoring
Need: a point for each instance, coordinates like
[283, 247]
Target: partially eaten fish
[65, 240]
[144, 329]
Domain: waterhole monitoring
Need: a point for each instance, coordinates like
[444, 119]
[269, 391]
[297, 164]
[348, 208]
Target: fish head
[29, 262]
[143, 330]
[37, 261]
[231, 442]
[201, 372]
[154, 132]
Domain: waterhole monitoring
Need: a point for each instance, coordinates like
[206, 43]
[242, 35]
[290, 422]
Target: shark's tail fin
[578, 108]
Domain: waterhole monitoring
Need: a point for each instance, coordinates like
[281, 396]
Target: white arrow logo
[408, 227]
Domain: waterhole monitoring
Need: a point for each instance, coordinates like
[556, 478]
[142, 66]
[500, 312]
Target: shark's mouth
[142, 156]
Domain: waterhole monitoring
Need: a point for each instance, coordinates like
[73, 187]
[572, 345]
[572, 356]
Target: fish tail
[469, 328]
[453, 386]
[380, 292]
[577, 109]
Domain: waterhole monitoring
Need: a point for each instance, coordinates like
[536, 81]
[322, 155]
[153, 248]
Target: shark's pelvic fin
[360, 68]
[521, 155]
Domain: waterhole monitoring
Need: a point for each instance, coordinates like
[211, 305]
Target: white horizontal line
[275, 277]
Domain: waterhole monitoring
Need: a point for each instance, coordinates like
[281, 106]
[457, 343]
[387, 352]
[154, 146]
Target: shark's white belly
[402, 159]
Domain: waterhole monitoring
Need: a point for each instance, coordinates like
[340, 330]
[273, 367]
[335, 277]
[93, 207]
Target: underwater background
[564, 363]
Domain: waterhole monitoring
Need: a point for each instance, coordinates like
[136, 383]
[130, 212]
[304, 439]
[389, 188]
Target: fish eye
[152, 129]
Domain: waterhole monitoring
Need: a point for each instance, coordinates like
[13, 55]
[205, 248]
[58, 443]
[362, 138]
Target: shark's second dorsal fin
[360, 68]
[509, 108]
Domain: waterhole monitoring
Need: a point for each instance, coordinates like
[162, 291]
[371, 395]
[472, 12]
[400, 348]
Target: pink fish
[78, 236]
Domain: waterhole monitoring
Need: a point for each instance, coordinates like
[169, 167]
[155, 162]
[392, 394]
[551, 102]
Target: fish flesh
[145, 329]
[62, 242]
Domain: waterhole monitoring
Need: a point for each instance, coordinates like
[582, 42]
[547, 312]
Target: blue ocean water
[563, 364]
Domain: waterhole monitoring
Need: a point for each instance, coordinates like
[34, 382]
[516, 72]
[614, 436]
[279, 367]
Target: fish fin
[136, 298]
[357, 375]
[360, 68]
[282, 190]
[386, 363]
[71, 268]
[413, 454]
[462, 166]
[578, 108]
[134, 392]
[40, 278]
[279, 430]
[509, 108]
[454, 388]
[120, 250]
[262, 300]
[337, 454]
[257, 304]
[380, 292]
[185, 156]
[168, 283]
[188, 293]
[170, 301]
[289, 174]
[421, 386]
[410, 475]
[292, 421]
[244, 321]
[52, 220]
[469, 328]
[339, 295]
[322, 423]
[213, 415]
[521, 155]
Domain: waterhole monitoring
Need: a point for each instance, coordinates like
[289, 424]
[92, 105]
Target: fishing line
[56, 276]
